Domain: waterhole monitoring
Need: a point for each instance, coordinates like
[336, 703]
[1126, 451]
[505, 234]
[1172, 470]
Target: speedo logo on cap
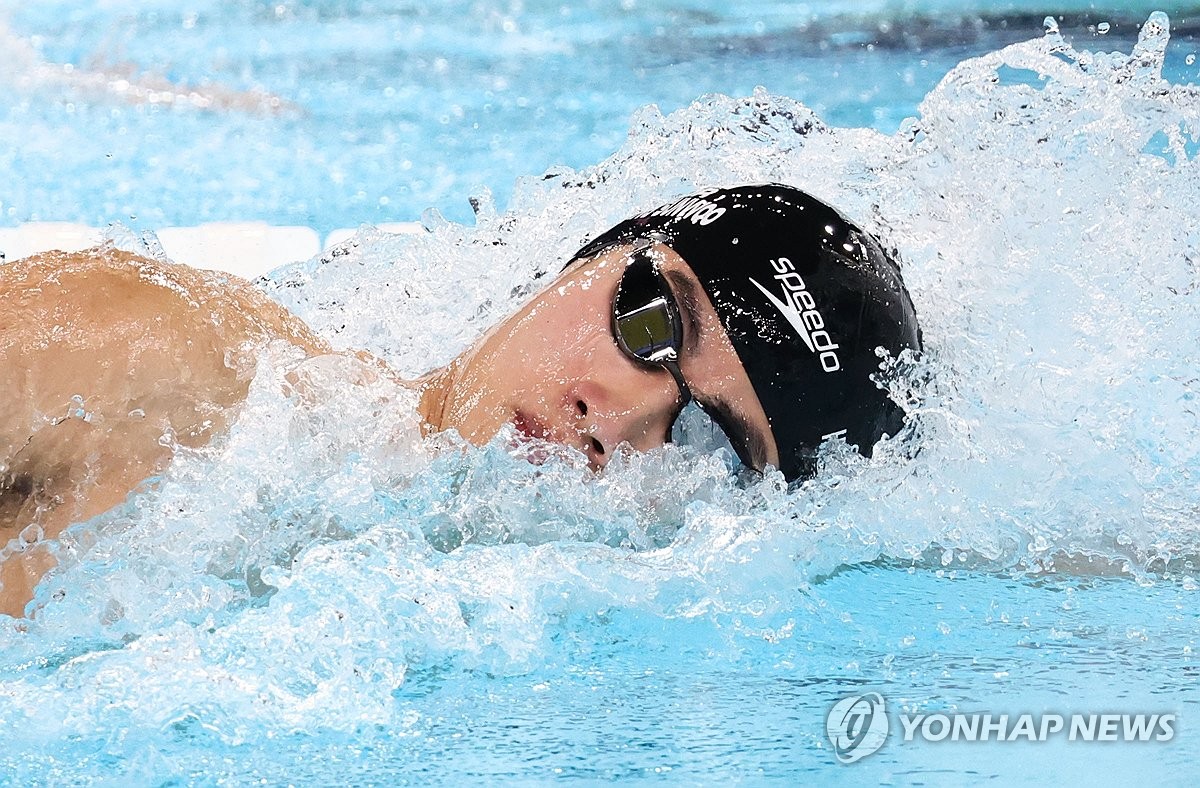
[800, 310]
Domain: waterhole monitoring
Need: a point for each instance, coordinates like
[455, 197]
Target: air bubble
[1103, 28]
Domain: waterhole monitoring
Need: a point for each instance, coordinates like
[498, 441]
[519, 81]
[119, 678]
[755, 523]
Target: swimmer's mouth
[532, 436]
[532, 428]
[533, 431]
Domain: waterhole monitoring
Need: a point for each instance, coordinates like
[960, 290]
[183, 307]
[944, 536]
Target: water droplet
[1051, 25]
[1103, 28]
[31, 535]
[1154, 34]
[1190, 59]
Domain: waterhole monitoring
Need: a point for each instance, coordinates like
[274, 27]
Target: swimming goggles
[646, 320]
[647, 326]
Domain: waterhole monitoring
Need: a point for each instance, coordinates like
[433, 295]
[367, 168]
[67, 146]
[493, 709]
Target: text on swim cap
[696, 208]
[800, 310]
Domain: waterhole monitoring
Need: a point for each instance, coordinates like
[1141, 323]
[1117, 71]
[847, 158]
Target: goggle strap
[684, 392]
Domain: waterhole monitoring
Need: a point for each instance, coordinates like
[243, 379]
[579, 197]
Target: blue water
[304, 602]
[388, 108]
[697, 701]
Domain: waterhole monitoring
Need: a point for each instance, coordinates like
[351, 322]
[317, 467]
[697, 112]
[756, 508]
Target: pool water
[312, 600]
[388, 108]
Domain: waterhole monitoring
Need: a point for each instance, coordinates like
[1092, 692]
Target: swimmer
[760, 304]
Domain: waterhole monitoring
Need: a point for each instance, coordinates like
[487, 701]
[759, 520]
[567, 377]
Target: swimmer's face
[554, 370]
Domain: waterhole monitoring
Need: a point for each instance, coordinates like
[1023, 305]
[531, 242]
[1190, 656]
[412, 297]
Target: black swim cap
[805, 296]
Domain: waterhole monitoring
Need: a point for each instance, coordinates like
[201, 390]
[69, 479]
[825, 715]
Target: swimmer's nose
[639, 415]
[595, 449]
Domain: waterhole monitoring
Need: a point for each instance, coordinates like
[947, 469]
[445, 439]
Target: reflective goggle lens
[646, 319]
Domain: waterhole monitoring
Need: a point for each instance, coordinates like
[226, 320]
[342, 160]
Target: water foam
[297, 574]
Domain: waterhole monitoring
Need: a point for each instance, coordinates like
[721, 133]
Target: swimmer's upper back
[102, 353]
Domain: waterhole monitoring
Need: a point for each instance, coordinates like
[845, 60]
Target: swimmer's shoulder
[105, 287]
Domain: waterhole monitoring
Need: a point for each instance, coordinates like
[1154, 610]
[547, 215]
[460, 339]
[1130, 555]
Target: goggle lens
[646, 319]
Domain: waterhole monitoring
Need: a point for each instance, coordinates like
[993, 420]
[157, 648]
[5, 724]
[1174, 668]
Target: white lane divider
[248, 249]
[33, 237]
[336, 237]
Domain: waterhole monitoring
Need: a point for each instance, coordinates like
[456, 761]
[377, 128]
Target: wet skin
[107, 360]
[555, 370]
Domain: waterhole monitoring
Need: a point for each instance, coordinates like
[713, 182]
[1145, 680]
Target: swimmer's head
[805, 298]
